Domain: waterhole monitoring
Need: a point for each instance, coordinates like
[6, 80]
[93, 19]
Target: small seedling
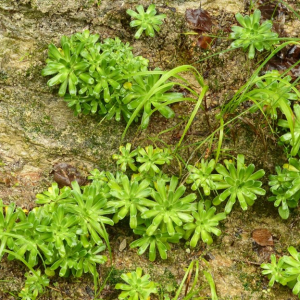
[252, 34]
[146, 21]
[137, 287]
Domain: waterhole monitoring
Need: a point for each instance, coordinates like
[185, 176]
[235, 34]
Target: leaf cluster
[238, 182]
[157, 205]
[252, 35]
[145, 21]
[67, 233]
[106, 78]
[137, 287]
[285, 271]
[285, 187]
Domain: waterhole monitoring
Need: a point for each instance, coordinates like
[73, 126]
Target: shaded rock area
[38, 131]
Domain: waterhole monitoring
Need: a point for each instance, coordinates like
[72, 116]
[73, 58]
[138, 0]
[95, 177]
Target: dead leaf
[262, 237]
[64, 174]
[199, 19]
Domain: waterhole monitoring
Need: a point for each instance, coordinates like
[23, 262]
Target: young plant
[252, 34]
[90, 208]
[150, 158]
[205, 223]
[129, 198]
[137, 287]
[34, 285]
[126, 157]
[200, 175]
[146, 21]
[240, 183]
[170, 208]
[286, 271]
[159, 240]
[286, 187]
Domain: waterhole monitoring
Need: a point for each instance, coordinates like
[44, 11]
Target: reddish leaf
[204, 42]
[199, 19]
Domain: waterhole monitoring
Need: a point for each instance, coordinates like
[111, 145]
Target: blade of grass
[193, 114]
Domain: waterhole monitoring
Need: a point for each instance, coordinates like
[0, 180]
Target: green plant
[205, 223]
[8, 224]
[159, 240]
[170, 208]
[193, 292]
[239, 182]
[159, 100]
[272, 92]
[150, 158]
[97, 75]
[146, 21]
[286, 187]
[126, 157]
[252, 34]
[286, 271]
[34, 285]
[129, 197]
[200, 175]
[293, 140]
[137, 287]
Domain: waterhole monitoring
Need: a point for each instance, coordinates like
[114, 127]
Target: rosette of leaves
[60, 230]
[205, 224]
[286, 271]
[171, 207]
[159, 240]
[137, 287]
[90, 208]
[84, 38]
[200, 175]
[88, 262]
[126, 157]
[292, 139]
[286, 187]
[159, 99]
[130, 197]
[146, 21]
[34, 285]
[150, 157]
[273, 92]
[53, 195]
[28, 243]
[68, 66]
[78, 260]
[97, 175]
[252, 34]
[151, 178]
[240, 183]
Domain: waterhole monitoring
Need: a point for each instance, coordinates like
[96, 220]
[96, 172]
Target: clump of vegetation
[272, 92]
[286, 187]
[252, 34]
[137, 287]
[146, 21]
[239, 183]
[206, 222]
[285, 271]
